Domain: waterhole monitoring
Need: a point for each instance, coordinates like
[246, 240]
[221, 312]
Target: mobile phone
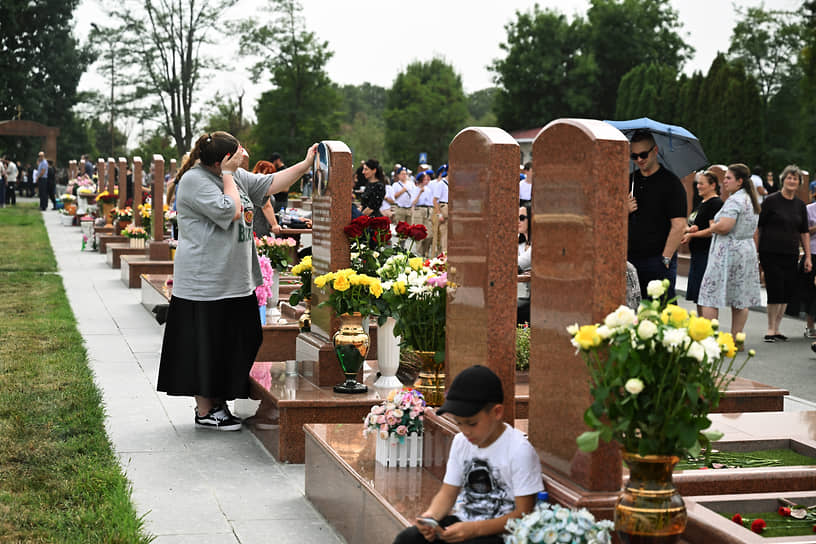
[428, 521]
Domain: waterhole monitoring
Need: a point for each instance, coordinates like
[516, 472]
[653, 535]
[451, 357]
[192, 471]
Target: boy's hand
[429, 532]
[458, 532]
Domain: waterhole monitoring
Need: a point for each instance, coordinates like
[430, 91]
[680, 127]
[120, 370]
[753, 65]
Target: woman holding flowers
[732, 275]
[213, 326]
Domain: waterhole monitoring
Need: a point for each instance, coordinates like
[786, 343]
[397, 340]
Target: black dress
[372, 197]
[698, 247]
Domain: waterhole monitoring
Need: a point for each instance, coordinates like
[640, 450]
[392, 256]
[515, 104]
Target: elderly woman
[732, 276]
[783, 227]
[213, 327]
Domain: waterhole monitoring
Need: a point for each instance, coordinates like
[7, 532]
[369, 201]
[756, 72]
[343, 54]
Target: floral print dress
[732, 275]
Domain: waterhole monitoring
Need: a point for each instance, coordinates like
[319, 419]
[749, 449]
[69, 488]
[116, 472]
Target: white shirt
[403, 200]
[441, 190]
[389, 193]
[11, 172]
[506, 469]
[425, 197]
[525, 190]
[758, 183]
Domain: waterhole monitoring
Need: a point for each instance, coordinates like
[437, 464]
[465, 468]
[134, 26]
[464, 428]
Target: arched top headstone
[593, 128]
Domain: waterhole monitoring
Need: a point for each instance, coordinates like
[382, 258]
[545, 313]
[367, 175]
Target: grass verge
[59, 477]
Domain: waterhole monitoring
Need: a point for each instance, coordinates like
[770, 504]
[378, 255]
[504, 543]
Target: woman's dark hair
[374, 164]
[742, 172]
[528, 211]
[712, 178]
[210, 148]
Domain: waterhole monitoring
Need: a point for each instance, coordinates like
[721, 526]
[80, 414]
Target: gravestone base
[104, 240]
[133, 266]
[113, 255]
[317, 352]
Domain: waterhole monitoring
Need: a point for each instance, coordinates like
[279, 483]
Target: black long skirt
[209, 347]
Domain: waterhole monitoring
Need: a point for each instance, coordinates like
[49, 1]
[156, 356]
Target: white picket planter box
[137, 243]
[393, 453]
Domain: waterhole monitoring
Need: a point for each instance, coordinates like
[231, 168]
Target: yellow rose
[588, 336]
[726, 342]
[297, 269]
[356, 279]
[398, 287]
[699, 328]
[415, 263]
[341, 283]
[376, 289]
[675, 314]
[320, 281]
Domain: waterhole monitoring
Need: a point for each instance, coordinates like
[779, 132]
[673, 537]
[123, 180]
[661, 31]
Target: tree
[649, 90]
[624, 33]
[366, 98]
[426, 108]
[480, 107]
[41, 62]
[545, 74]
[158, 142]
[162, 43]
[301, 107]
[807, 60]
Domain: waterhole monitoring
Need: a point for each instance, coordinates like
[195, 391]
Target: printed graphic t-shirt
[491, 478]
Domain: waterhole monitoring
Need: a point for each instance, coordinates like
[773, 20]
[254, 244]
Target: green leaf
[694, 451]
[712, 434]
[588, 441]
[591, 419]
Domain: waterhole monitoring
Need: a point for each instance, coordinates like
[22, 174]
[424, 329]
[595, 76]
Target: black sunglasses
[522, 218]
[641, 155]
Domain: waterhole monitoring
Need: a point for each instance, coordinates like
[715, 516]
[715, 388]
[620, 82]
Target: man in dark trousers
[657, 215]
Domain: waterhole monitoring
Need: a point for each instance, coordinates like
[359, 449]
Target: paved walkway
[205, 487]
[192, 486]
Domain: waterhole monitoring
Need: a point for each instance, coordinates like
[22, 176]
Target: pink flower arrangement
[264, 292]
[400, 415]
[439, 281]
[277, 250]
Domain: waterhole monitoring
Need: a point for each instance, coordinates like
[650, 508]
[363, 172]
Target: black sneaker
[218, 418]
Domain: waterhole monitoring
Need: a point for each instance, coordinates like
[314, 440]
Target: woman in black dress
[374, 192]
[698, 235]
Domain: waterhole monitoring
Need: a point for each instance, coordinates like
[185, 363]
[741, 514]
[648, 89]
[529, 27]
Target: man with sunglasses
[657, 214]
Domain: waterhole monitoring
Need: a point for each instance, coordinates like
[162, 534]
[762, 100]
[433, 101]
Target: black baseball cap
[471, 390]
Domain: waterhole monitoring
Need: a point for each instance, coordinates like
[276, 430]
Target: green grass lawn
[59, 478]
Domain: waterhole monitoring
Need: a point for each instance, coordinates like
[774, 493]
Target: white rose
[697, 351]
[573, 329]
[740, 338]
[646, 329]
[675, 338]
[715, 324]
[655, 288]
[624, 316]
[633, 386]
[712, 348]
[604, 332]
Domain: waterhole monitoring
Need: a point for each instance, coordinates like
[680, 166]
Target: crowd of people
[28, 180]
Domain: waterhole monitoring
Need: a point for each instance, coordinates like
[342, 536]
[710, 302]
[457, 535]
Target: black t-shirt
[781, 221]
[372, 197]
[660, 197]
[705, 213]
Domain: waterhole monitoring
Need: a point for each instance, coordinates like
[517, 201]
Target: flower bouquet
[67, 198]
[264, 292]
[654, 376]
[122, 214]
[552, 523]
[350, 292]
[398, 424]
[277, 250]
[107, 197]
[136, 235]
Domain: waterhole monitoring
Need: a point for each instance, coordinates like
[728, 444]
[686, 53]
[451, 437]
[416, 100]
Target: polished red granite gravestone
[578, 275]
[122, 182]
[483, 256]
[137, 190]
[331, 212]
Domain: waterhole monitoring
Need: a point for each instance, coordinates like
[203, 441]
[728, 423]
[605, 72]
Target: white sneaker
[218, 418]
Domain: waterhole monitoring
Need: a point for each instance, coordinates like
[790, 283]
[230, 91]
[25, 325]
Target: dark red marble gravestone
[331, 212]
[137, 190]
[578, 275]
[123, 183]
[483, 256]
[159, 249]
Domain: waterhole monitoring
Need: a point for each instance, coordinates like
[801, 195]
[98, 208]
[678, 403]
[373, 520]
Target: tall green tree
[41, 61]
[624, 33]
[480, 107]
[365, 98]
[649, 90]
[545, 73]
[302, 105]
[161, 44]
[807, 61]
[426, 108]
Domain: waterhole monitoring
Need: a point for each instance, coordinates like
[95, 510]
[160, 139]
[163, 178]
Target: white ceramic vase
[388, 355]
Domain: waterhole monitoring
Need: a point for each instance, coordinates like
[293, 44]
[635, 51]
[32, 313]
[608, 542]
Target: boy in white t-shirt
[493, 473]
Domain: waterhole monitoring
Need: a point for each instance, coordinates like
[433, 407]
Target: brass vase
[431, 378]
[305, 321]
[351, 346]
[650, 510]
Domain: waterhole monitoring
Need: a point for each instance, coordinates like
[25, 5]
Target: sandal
[781, 337]
[770, 338]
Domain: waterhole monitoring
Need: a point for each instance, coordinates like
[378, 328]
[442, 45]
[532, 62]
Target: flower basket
[392, 453]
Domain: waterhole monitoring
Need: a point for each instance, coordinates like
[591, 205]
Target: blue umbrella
[678, 149]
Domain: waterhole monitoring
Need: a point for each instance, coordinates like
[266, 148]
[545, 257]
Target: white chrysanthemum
[562, 513]
[646, 329]
[697, 351]
[676, 339]
[655, 288]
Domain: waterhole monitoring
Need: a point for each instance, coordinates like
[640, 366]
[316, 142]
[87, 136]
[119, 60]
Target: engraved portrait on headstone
[320, 181]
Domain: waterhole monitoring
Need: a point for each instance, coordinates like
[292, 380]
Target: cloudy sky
[373, 40]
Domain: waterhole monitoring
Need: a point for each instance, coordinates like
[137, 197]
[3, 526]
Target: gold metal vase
[351, 343]
[650, 510]
[305, 321]
[431, 379]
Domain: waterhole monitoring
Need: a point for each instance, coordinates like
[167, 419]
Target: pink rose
[377, 410]
[381, 420]
[402, 430]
